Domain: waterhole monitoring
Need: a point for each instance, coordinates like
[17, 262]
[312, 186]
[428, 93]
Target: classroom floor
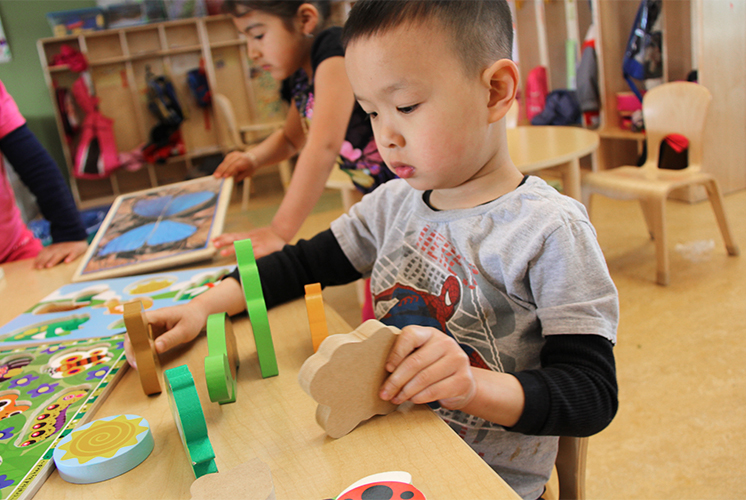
[681, 427]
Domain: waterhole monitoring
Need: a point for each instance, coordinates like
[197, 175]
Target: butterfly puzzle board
[158, 228]
[45, 392]
[95, 308]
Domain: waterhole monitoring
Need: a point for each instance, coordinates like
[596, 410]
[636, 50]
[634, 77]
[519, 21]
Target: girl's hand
[56, 253]
[178, 324]
[236, 164]
[427, 365]
[264, 240]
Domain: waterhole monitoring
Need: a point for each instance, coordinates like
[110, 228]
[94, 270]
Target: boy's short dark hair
[285, 9]
[481, 30]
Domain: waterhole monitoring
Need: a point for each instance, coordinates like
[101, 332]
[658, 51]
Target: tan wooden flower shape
[345, 375]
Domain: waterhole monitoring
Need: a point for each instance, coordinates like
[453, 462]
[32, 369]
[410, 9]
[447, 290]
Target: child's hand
[264, 240]
[236, 164]
[171, 326]
[427, 365]
[66, 251]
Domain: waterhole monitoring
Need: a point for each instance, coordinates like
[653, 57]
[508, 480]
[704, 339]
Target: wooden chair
[231, 139]
[671, 108]
[569, 473]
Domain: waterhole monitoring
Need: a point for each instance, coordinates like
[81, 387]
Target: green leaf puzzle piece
[222, 360]
[190, 420]
[252, 289]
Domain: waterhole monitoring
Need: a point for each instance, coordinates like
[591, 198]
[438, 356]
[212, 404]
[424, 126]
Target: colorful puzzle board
[157, 228]
[46, 391]
[95, 308]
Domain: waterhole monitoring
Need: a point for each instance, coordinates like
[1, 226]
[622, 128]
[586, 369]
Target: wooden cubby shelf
[118, 62]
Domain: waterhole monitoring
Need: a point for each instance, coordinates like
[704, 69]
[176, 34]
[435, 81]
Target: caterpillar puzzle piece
[252, 289]
[103, 449]
[222, 361]
[141, 337]
[249, 481]
[316, 315]
[190, 420]
[345, 375]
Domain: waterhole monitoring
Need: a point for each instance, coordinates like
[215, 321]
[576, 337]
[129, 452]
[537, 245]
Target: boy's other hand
[236, 164]
[56, 253]
[171, 326]
[264, 241]
[427, 365]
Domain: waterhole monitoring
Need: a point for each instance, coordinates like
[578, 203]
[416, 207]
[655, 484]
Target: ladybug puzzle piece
[384, 486]
[345, 375]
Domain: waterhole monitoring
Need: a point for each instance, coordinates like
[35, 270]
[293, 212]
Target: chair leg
[586, 194]
[570, 463]
[716, 199]
[656, 209]
[286, 173]
[648, 212]
[245, 195]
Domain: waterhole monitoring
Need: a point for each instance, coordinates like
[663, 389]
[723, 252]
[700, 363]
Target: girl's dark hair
[481, 30]
[285, 10]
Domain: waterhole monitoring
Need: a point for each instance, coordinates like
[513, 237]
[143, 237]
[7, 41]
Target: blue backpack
[642, 58]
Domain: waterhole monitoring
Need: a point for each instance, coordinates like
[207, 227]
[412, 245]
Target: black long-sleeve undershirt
[39, 172]
[574, 393]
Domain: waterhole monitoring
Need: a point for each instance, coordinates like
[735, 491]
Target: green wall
[24, 22]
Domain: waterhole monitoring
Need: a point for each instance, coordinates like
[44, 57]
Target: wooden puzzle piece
[394, 484]
[249, 481]
[222, 361]
[316, 315]
[252, 289]
[345, 375]
[103, 449]
[190, 421]
[141, 338]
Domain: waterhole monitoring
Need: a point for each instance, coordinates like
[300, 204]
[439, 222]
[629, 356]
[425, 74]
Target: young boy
[508, 312]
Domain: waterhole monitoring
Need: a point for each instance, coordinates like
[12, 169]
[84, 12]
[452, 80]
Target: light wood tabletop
[272, 419]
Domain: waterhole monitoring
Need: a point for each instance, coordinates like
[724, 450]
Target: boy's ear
[308, 16]
[501, 80]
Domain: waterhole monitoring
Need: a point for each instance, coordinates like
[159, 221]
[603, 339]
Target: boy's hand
[236, 164]
[427, 365]
[264, 240]
[180, 325]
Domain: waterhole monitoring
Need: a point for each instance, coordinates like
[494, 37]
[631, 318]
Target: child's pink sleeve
[10, 117]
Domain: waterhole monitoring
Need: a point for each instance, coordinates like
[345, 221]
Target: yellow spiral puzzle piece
[103, 449]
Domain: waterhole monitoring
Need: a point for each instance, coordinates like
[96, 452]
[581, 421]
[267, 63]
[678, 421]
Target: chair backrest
[230, 138]
[675, 108]
[570, 464]
[511, 118]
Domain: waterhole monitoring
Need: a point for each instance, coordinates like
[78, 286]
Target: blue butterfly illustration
[161, 231]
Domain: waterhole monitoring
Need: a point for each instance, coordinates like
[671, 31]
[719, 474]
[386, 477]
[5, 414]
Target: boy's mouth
[402, 170]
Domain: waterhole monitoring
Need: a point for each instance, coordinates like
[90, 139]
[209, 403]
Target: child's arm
[283, 274]
[574, 393]
[40, 174]
[181, 324]
[333, 104]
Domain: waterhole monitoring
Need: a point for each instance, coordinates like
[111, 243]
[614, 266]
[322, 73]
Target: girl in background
[324, 123]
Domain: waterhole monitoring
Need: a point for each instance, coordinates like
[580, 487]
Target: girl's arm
[333, 103]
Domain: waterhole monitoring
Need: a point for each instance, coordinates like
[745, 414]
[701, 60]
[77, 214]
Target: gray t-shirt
[498, 278]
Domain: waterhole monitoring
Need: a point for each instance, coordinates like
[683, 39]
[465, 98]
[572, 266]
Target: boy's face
[430, 118]
[270, 45]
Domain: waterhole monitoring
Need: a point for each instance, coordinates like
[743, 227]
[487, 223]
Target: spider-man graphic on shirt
[418, 307]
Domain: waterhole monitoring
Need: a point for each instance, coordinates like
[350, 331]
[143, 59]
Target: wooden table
[535, 148]
[273, 420]
[532, 148]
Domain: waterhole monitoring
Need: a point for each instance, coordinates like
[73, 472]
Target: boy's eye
[407, 109]
[258, 37]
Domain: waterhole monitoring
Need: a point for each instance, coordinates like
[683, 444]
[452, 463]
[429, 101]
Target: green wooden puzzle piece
[222, 361]
[187, 411]
[252, 289]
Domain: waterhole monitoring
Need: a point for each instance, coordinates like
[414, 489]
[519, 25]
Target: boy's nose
[254, 52]
[390, 138]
